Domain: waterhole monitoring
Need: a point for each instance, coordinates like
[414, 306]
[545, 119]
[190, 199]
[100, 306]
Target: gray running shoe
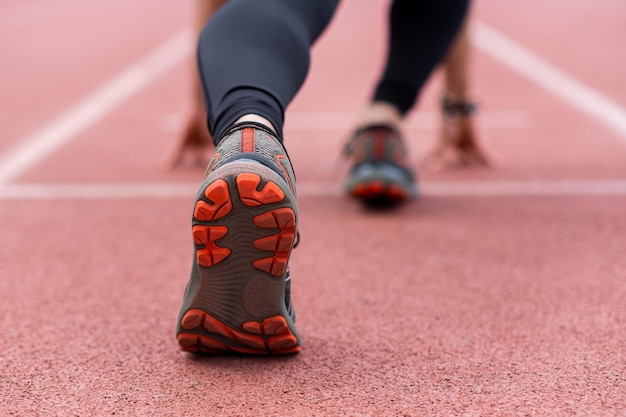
[379, 175]
[244, 228]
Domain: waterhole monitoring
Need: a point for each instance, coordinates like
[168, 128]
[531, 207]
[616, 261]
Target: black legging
[254, 55]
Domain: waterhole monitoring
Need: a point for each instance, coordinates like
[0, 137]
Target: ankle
[256, 119]
[380, 113]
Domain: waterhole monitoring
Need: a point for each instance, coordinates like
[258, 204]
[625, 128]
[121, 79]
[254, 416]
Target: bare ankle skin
[380, 112]
[258, 119]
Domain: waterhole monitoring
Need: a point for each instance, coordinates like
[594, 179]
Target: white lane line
[333, 121]
[572, 91]
[588, 188]
[96, 191]
[95, 107]
[426, 120]
[553, 188]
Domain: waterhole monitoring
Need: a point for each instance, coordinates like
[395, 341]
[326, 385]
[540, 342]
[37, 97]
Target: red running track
[496, 293]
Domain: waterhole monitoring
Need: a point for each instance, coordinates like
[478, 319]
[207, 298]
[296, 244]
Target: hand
[459, 146]
[195, 140]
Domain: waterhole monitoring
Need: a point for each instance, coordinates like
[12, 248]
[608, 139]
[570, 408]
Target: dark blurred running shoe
[379, 174]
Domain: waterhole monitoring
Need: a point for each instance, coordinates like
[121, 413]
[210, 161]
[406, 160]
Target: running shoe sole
[244, 226]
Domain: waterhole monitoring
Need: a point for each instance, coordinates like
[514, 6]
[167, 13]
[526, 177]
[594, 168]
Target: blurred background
[498, 292]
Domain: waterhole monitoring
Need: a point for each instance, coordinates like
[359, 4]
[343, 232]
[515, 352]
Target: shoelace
[349, 147]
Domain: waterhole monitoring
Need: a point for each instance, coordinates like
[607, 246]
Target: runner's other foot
[195, 140]
[244, 227]
[379, 174]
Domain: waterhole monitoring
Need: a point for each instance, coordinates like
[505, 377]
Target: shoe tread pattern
[272, 227]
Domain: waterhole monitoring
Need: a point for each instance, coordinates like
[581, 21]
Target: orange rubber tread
[379, 190]
[249, 194]
[219, 204]
[270, 336]
[210, 254]
[281, 243]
